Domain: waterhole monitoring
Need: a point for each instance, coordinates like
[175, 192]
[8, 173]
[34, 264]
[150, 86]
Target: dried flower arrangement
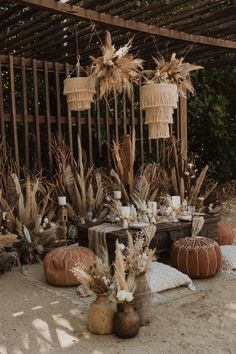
[174, 71]
[185, 179]
[28, 212]
[125, 283]
[135, 258]
[116, 70]
[83, 186]
[96, 277]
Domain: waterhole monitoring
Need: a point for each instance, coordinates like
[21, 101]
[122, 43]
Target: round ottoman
[59, 262]
[199, 257]
[225, 234]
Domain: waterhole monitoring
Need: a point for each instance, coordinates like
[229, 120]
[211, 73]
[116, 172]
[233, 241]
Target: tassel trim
[154, 95]
[158, 130]
[159, 115]
[77, 84]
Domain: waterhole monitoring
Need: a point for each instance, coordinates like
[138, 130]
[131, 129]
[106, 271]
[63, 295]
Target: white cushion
[162, 277]
[229, 258]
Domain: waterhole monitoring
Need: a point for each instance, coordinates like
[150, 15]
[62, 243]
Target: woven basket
[159, 95]
[79, 92]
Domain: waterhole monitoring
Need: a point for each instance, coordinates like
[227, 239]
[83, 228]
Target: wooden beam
[93, 16]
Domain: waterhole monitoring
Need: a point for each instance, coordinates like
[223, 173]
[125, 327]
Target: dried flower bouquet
[116, 70]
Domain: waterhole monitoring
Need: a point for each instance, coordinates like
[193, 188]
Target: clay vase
[143, 300]
[101, 315]
[126, 321]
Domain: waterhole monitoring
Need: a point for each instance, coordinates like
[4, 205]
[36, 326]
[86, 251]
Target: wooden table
[165, 235]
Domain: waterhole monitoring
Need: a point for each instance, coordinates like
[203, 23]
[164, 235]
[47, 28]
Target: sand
[34, 321]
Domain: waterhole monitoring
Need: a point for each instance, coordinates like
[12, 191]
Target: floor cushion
[229, 258]
[197, 256]
[162, 277]
[59, 262]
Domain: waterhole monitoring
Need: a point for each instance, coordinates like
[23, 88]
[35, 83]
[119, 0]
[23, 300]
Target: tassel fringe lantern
[159, 100]
[79, 92]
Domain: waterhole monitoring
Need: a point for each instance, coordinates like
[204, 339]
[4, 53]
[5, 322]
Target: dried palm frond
[123, 153]
[84, 187]
[175, 71]
[116, 70]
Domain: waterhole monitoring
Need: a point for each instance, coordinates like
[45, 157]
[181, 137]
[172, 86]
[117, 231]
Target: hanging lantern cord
[77, 66]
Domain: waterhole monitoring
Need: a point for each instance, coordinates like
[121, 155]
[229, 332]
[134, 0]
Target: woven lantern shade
[79, 92]
[159, 101]
[156, 95]
[162, 114]
[160, 130]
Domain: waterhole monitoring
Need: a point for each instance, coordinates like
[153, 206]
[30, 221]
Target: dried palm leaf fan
[79, 91]
[116, 70]
[159, 96]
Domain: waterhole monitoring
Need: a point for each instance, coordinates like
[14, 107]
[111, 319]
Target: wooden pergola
[45, 36]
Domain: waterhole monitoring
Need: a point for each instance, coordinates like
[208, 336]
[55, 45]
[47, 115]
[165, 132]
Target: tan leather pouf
[225, 234]
[59, 262]
[199, 257]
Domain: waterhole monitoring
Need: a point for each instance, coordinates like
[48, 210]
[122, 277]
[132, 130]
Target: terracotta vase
[126, 321]
[143, 300]
[101, 315]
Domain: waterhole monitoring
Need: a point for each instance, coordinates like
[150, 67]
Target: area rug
[35, 274]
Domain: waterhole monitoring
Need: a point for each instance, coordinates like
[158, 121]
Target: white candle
[176, 201]
[62, 200]
[125, 211]
[117, 194]
[152, 206]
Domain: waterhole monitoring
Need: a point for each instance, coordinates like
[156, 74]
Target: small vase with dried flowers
[137, 256]
[126, 319]
[98, 279]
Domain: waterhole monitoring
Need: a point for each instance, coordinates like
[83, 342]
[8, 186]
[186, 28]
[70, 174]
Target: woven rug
[35, 274]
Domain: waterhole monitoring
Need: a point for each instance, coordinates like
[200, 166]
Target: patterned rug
[35, 274]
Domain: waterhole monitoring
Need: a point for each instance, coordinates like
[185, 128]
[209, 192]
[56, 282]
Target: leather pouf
[225, 234]
[199, 257]
[59, 262]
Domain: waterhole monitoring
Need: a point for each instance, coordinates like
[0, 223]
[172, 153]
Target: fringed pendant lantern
[79, 92]
[159, 100]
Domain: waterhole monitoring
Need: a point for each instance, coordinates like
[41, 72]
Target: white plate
[139, 225]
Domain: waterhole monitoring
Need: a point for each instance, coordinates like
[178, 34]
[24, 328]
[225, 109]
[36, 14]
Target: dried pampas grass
[175, 71]
[116, 70]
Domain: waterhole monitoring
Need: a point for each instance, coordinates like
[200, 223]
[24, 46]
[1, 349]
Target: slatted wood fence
[33, 110]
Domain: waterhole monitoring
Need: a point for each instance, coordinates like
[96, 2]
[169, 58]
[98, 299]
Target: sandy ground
[34, 321]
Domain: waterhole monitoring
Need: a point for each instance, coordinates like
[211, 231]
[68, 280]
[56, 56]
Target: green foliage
[212, 121]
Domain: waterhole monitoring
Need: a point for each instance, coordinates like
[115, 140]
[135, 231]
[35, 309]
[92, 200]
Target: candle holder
[152, 211]
[125, 215]
[63, 218]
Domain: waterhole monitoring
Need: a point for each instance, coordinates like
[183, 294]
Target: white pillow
[162, 277]
[229, 258]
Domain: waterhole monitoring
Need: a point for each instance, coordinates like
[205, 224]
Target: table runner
[97, 237]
